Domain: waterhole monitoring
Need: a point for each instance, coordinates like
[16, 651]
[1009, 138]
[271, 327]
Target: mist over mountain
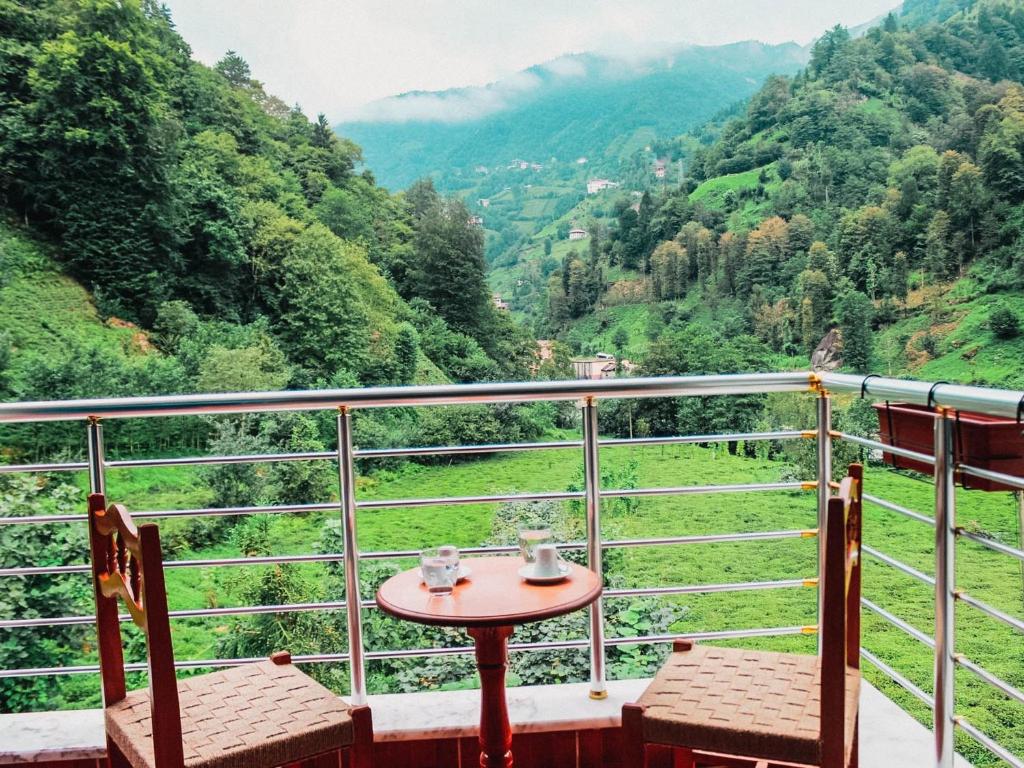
[575, 105]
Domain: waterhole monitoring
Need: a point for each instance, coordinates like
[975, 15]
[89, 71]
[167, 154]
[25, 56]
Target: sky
[338, 56]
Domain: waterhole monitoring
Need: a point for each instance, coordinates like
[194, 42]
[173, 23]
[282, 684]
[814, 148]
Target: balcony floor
[445, 723]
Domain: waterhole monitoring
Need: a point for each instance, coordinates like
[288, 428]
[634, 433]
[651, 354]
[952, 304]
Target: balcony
[436, 728]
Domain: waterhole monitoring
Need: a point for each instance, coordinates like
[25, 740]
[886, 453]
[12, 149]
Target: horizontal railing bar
[988, 474]
[894, 449]
[995, 546]
[898, 565]
[994, 680]
[458, 500]
[995, 613]
[377, 453]
[712, 538]
[400, 397]
[164, 514]
[409, 503]
[988, 743]
[789, 434]
[333, 557]
[700, 489]
[75, 466]
[996, 402]
[54, 570]
[879, 502]
[422, 652]
[725, 634]
[242, 610]
[897, 678]
[696, 589]
[897, 622]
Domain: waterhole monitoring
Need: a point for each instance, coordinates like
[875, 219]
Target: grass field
[988, 576]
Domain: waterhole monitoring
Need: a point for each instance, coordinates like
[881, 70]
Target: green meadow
[993, 578]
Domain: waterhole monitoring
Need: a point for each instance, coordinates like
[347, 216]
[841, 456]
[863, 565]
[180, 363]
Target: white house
[597, 185]
[577, 234]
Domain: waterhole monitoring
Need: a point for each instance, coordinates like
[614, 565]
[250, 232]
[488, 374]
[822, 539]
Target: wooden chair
[257, 715]
[726, 706]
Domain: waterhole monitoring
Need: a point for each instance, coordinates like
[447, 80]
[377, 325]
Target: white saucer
[464, 573]
[527, 573]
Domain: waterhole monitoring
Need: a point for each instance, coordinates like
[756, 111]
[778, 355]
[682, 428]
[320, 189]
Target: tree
[450, 266]
[322, 321]
[303, 482]
[407, 347]
[235, 70]
[670, 270]
[1004, 323]
[815, 306]
[620, 340]
[258, 368]
[855, 313]
[101, 156]
[939, 256]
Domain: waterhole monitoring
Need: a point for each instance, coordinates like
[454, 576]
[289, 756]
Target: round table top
[494, 595]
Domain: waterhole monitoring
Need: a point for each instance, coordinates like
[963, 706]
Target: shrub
[1004, 323]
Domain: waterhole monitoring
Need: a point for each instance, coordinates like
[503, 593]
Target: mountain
[877, 193]
[574, 106]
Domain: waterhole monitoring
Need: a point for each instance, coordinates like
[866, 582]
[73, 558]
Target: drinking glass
[530, 539]
[440, 570]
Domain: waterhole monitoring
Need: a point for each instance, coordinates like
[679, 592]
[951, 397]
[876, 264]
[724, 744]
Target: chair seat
[257, 716]
[740, 702]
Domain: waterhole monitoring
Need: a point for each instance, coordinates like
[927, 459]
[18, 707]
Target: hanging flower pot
[982, 441]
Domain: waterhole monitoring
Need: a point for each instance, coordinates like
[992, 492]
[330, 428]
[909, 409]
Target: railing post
[347, 494]
[824, 404]
[592, 486]
[945, 586]
[94, 440]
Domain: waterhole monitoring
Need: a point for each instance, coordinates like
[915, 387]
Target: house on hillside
[499, 303]
[601, 366]
[577, 234]
[660, 168]
[484, 202]
[597, 185]
[476, 220]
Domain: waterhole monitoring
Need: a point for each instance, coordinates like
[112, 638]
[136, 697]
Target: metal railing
[589, 393]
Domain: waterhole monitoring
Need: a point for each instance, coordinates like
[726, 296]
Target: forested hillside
[224, 241]
[879, 192]
[584, 105]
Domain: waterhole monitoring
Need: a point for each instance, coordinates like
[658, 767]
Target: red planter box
[985, 442]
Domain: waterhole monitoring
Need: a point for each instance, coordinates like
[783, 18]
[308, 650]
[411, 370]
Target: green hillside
[878, 192]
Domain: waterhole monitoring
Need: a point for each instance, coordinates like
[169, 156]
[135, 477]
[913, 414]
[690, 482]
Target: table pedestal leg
[495, 731]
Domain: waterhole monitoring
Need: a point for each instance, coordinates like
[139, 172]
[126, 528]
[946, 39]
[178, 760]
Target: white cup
[547, 562]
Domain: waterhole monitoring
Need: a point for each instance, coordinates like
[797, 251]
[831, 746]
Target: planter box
[985, 442]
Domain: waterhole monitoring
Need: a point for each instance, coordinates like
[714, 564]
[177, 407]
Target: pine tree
[855, 313]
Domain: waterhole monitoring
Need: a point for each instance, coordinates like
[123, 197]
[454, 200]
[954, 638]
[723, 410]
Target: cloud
[566, 66]
[455, 106]
[335, 56]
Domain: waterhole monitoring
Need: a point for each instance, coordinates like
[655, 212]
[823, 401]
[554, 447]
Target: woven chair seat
[740, 702]
[253, 716]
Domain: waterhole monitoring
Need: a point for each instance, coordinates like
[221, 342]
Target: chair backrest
[127, 565]
[840, 620]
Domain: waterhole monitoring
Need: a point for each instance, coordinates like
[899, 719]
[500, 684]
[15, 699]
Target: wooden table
[489, 604]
